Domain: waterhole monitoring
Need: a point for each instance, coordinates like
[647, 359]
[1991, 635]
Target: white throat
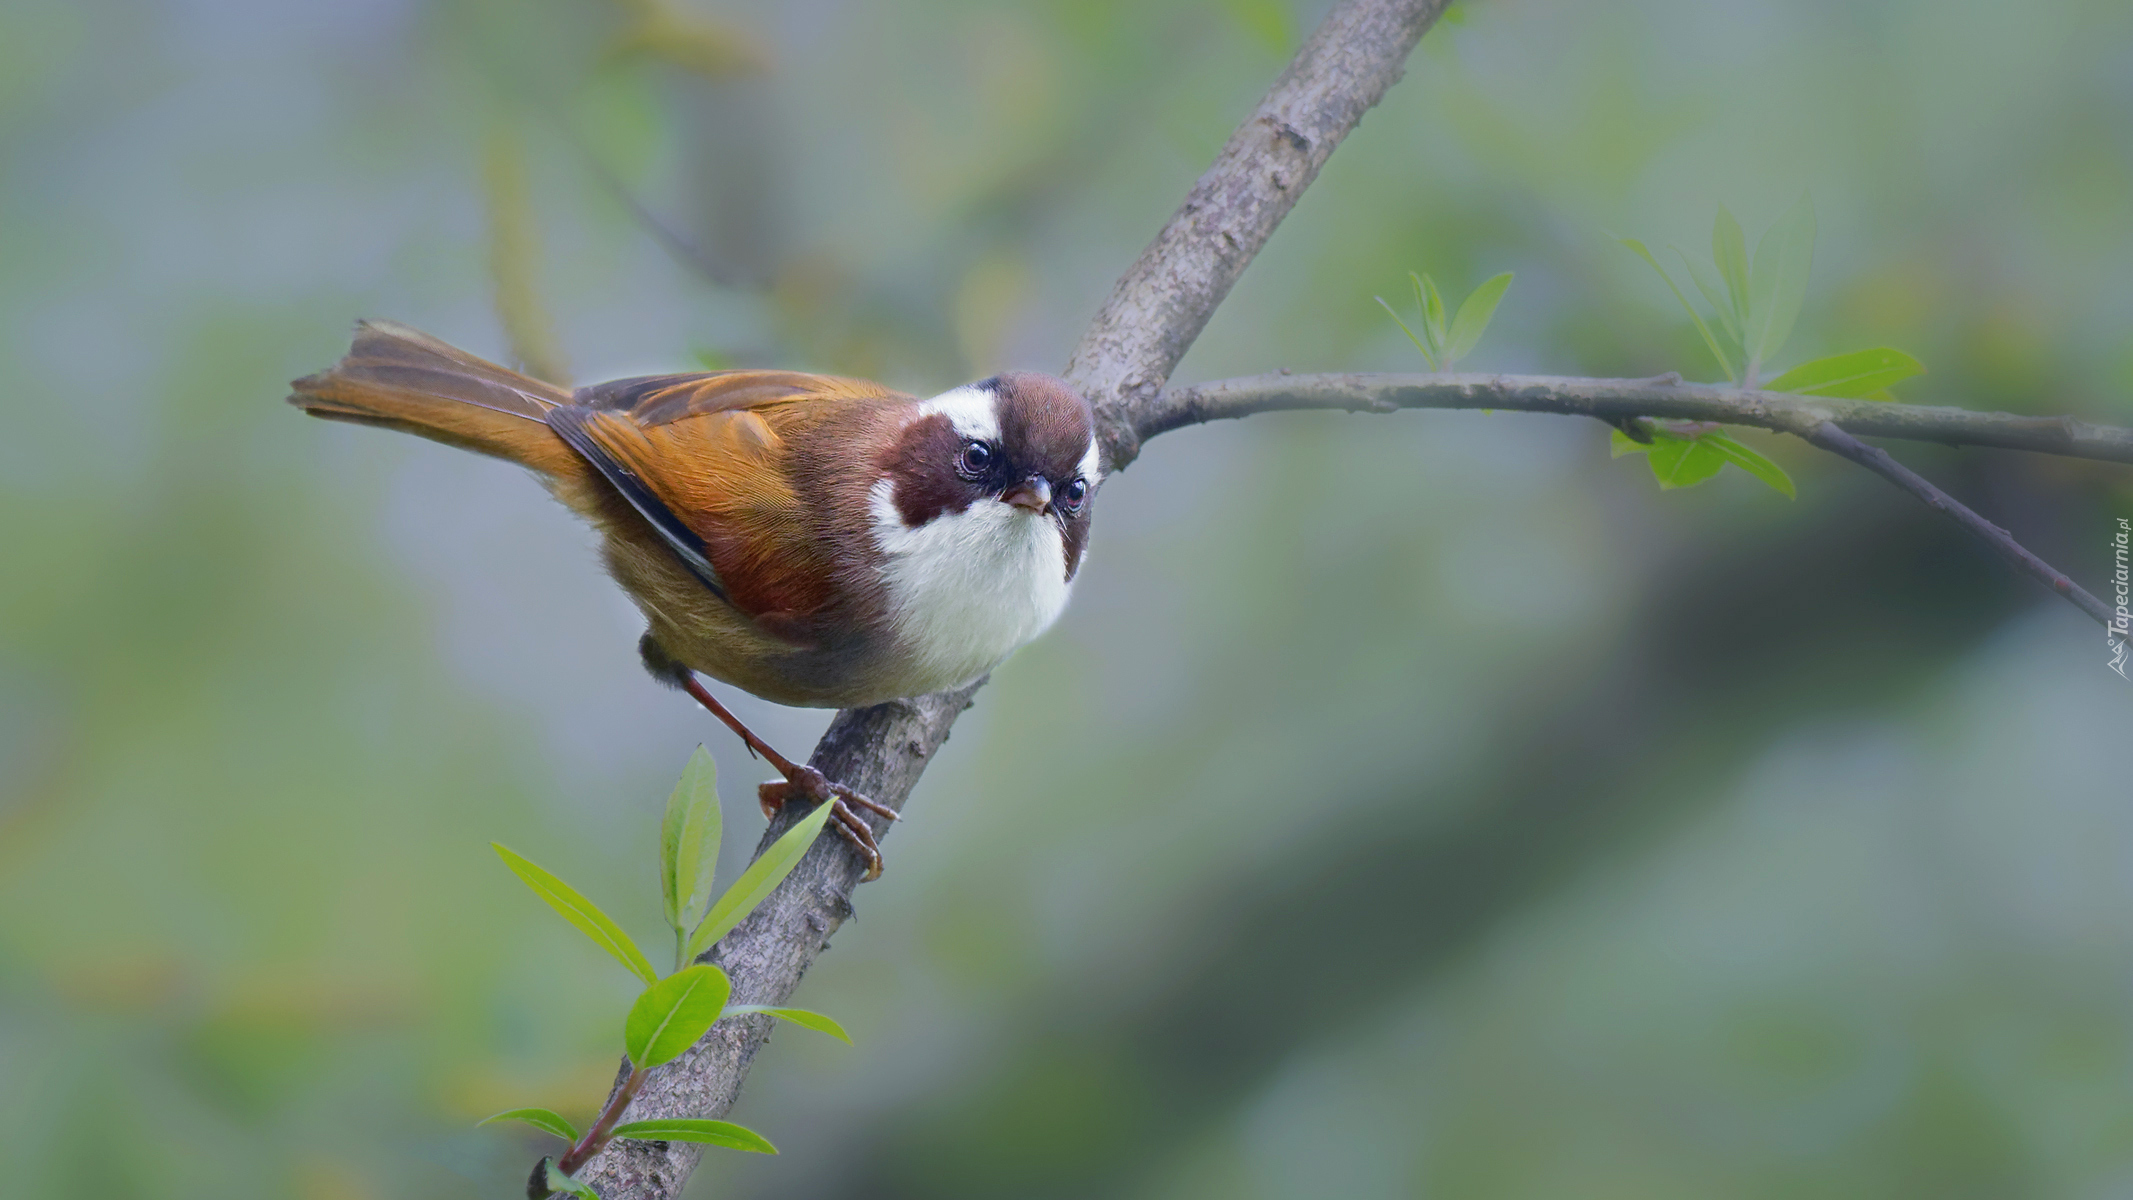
[966, 588]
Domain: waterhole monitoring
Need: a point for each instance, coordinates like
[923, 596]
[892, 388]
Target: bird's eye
[974, 461]
[1073, 495]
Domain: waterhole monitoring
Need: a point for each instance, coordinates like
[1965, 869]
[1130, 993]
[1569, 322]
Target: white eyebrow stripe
[969, 409]
[1092, 462]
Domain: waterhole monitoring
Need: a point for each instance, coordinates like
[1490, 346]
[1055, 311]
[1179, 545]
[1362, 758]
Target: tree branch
[1121, 364]
[1875, 459]
[1823, 422]
[1617, 399]
[1163, 302]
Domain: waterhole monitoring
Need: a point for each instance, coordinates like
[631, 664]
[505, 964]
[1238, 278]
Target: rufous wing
[663, 399]
[702, 459]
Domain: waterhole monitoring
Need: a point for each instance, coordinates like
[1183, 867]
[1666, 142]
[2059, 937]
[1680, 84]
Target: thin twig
[682, 248]
[679, 246]
[597, 1137]
[1875, 459]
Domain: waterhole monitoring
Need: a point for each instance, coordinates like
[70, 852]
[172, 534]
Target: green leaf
[1713, 293]
[539, 1118]
[555, 1181]
[579, 911]
[1682, 462]
[1862, 374]
[798, 1016]
[1729, 250]
[1751, 462]
[1679, 462]
[1473, 318]
[1433, 315]
[1426, 355]
[711, 1133]
[1779, 284]
[760, 879]
[673, 1013]
[1724, 363]
[688, 842]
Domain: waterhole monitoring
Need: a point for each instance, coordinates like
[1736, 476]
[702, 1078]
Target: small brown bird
[813, 540]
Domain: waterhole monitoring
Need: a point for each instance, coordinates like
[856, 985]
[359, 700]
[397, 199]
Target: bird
[813, 540]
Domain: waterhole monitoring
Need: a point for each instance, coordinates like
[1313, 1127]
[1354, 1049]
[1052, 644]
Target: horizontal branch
[1827, 423]
[1614, 400]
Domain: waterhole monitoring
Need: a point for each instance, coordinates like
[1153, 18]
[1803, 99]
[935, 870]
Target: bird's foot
[807, 783]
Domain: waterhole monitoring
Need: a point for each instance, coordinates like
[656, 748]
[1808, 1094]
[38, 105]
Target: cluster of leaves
[673, 1012]
[1755, 303]
[1444, 343]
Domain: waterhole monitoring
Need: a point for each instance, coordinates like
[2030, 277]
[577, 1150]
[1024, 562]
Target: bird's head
[1011, 458]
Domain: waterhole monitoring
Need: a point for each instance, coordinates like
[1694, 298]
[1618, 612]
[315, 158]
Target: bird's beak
[1033, 495]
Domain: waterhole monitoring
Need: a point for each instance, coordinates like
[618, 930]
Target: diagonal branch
[1875, 459]
[1151, 318]
[1163, 302]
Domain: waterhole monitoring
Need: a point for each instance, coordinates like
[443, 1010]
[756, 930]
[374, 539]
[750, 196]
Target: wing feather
[653, 400]
[606, 442]
[702, 457]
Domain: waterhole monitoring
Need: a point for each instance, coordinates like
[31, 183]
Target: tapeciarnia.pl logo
[2117, 634]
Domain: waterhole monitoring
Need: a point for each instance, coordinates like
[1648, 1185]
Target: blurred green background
[1407, 806]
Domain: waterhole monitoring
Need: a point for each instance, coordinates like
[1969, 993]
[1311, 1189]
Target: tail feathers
[404, 379]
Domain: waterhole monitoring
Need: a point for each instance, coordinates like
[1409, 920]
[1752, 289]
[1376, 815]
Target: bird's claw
[812, 785]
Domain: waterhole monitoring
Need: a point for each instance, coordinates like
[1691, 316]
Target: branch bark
[1151, 318]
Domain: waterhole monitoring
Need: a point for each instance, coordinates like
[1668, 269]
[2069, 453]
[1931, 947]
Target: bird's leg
[810, 783]
[813, 784]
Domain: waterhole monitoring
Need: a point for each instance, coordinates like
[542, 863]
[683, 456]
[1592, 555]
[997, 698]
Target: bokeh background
[1408, 806]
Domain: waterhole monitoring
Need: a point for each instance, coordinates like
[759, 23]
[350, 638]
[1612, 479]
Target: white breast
[966, 588]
